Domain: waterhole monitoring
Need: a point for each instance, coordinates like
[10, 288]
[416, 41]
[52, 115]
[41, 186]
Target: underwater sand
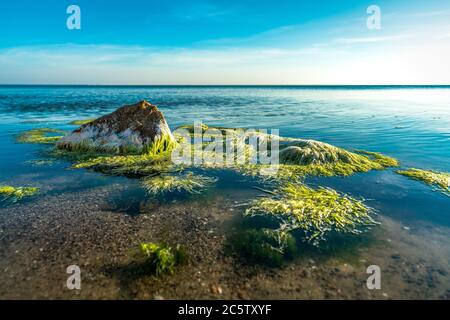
[99, 231]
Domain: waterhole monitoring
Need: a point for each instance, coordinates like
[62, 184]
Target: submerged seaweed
[187, 182]
[382, 159]
[265, 246]
[434, 178]
[162, 258]
[14, 194]
[41, 135]
[130, 165]
[316, 212]
[41, 162]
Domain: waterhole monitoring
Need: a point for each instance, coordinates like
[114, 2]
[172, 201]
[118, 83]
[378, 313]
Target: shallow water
[410, 124]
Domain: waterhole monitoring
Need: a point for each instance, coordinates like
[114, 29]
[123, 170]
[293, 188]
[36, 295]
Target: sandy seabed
[39, 239]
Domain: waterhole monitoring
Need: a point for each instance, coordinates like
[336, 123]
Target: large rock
[129, 129]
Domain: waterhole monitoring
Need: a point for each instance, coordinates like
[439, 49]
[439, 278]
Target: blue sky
[225, 42]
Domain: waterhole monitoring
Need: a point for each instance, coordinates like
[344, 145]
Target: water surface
[411, 124]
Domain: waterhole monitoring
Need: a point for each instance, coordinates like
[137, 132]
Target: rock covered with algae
[303, 157]
[131, 129]
[297, 157]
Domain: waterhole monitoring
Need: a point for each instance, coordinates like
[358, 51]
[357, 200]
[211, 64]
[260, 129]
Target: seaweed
[433, 178]
[160, 145]
[304, 158]
[316, 212]
[265, 246]
[130, 165]
[40, 136]
[298, 157]
[162, 259]
[187, 182]
[41, 162]
[81, 121]
[14, 194]
[382, 159]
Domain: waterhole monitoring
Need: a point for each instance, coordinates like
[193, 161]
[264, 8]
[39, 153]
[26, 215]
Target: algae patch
[127, 165]
[315, 212]
[14, 194]
[297, 157]
[162, 259]
[41, 135]
[381, 159]
[41, 162]
[265, 246]
[188, 182]
[433, 178]
[81, 122]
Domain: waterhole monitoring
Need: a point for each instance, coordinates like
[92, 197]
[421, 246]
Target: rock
[346, 268]
[305, 273]
[216, 289]
[129, 129]
[242, 295]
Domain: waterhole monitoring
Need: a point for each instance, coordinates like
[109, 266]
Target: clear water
[411, 124]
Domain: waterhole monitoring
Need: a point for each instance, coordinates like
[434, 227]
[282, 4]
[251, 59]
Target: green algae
[297, 157]
[40, 136]
[81, 121]
[314, 158]
[297, 163]
[265, 246]
[382, 159]
[14, 194]
[162, 259]
[160, 145]
[433, 178]
[316, 212]
[187, 182]
[85, 146]
[41, 162]
[129, 165]
[191, 127]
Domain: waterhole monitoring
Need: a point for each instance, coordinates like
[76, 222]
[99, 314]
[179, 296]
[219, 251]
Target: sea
[409, 123]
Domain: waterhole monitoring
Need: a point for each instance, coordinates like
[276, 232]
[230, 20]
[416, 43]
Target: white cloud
[372, 39]
[420, 63]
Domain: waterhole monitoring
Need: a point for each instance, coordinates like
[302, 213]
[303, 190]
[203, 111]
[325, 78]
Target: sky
[206, 42]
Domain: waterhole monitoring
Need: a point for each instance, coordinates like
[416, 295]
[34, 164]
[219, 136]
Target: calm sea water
[409, 123]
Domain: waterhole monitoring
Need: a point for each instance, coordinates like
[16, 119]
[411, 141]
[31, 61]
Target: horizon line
[224, 85]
